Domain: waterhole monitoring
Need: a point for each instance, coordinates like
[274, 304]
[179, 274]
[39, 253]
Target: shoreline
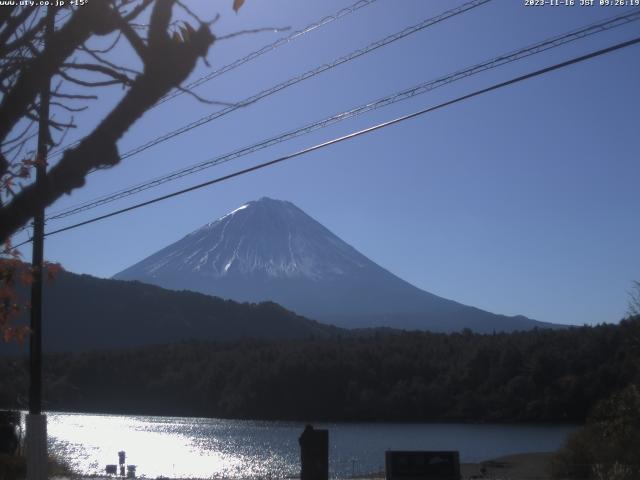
[519, 466]
[321, 422]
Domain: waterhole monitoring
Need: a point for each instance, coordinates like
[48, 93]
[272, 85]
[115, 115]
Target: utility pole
[36, 421]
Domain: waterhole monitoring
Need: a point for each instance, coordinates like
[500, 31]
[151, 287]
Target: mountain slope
[84, 313]
[271, 250]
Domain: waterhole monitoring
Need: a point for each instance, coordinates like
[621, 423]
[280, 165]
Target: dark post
[314, 454]
[35, 344]
[37, 423]
[122, 456]
[9, 440]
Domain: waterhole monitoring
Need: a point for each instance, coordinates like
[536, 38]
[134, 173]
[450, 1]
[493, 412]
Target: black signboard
[422, 465]
[314, 454]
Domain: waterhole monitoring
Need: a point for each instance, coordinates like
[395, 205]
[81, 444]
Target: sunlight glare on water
[180, 447]
[156, 445]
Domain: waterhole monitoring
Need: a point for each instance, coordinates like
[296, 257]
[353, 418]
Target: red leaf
[53, 269]
[24, 172]
[7, 334]
[26, 277]
[20, 335]
[40, 161]
[237, 5]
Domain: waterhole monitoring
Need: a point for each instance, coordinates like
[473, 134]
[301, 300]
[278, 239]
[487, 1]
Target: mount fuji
[271, 250]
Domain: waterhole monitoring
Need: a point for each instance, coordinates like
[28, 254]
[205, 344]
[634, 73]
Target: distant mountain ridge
[271, 250]
[84, 313]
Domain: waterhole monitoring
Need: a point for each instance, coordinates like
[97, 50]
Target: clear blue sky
[522, 201]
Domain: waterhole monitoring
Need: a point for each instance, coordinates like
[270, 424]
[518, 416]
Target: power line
[309, 74]
[352, 135]
[252, 56]
[268, 48]
[420, 89]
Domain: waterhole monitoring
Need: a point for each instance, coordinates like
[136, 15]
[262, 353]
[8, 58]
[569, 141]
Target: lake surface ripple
[216, 448]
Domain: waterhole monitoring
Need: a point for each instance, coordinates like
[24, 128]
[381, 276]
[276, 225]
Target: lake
[205, 448]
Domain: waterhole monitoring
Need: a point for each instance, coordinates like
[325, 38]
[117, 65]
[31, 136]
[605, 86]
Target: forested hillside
[85, 313]
[541, 375]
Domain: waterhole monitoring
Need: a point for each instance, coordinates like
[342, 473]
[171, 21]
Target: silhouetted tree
[28, 63]
[634, 299]
[40, 46]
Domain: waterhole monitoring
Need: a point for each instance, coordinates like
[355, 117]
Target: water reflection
[234, 449]
[158, 446]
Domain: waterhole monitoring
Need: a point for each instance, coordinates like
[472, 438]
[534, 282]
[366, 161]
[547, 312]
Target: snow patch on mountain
[270, 250]
[266, 237]
[242, 207]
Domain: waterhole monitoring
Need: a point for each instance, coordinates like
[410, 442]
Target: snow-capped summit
[271, 250]
[267, 238]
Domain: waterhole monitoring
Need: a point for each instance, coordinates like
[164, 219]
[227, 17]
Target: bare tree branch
[119, 77]
[24, 38]
[137, 10]
[166, 65]
[92, 18]
[60, 127]
[12, 25]
[85, 83]
[111, 45]
[74, 96]
[134, 39]
[160, 19]
[204, 100]
[109, 64]
[5, 14]
[196, 17]
[18, 136]
[68, 108]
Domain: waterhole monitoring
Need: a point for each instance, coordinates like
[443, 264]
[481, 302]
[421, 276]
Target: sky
[520, 201]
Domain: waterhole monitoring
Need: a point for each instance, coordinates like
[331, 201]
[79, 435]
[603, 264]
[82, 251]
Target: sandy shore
[524, 466]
